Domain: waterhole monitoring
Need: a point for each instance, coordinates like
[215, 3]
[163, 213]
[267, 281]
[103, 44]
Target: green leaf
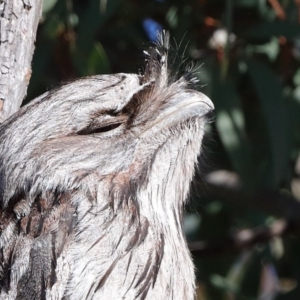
[85, 49]
[231, 127]
[91, 21]
[98, 62]
[275, 113]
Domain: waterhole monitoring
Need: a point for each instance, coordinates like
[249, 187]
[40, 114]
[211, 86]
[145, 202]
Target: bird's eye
[99, 129]
[210, 117]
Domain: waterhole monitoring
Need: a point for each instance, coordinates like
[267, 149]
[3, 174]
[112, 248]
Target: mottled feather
[94, 176]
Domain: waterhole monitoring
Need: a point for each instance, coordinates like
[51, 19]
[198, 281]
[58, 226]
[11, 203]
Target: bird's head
[128, 131]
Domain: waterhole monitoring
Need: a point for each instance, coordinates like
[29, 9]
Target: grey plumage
[93, 179]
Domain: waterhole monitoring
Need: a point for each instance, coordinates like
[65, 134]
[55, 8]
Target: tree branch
[18, 25]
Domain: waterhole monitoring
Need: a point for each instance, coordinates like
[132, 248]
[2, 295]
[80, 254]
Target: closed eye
[92, 130]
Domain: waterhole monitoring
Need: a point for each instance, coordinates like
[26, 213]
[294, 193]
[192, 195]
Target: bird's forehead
[113, 92]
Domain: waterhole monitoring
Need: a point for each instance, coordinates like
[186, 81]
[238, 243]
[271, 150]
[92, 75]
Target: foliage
[249, 51]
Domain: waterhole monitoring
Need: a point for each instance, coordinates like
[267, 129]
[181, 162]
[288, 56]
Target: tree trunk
[18, 24]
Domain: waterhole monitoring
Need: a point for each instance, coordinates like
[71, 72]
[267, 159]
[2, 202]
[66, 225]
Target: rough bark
[18, 24]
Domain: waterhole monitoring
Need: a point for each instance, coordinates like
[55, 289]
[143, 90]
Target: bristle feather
[159, 68]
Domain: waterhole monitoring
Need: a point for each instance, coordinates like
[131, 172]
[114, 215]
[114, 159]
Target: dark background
[244, 211]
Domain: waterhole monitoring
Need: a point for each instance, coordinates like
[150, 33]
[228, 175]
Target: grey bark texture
[18, 24]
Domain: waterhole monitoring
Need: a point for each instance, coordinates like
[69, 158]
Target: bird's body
[93, 179]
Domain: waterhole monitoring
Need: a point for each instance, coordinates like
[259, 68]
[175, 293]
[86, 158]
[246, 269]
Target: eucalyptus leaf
[98, 62]
[231, 128]
[270, 94]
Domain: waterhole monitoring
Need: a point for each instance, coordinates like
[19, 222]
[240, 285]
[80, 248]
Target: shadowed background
[244, 215]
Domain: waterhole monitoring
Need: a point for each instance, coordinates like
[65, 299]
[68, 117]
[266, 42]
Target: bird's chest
[119, 256]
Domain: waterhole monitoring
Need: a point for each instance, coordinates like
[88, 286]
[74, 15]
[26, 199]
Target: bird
[94, 178]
